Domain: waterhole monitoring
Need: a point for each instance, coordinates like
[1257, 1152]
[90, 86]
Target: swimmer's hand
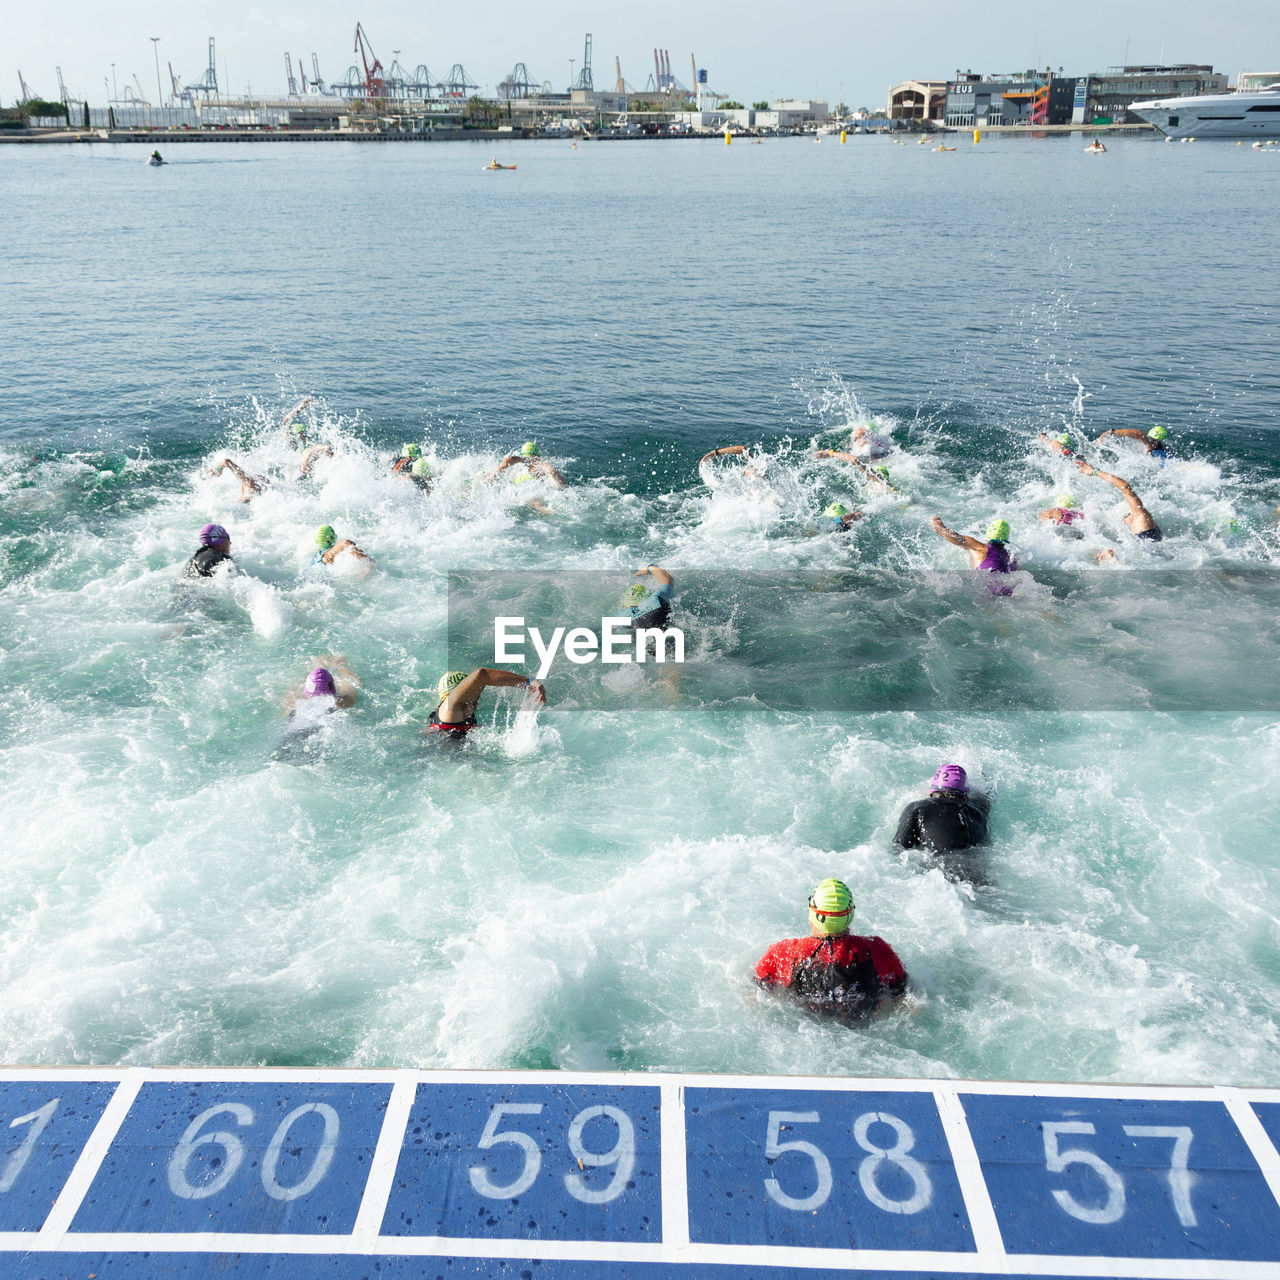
[537, 692]
[1085, 468]
[935, 523]
[822, 453]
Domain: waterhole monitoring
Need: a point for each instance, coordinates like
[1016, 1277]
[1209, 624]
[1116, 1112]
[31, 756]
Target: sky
[752, 50]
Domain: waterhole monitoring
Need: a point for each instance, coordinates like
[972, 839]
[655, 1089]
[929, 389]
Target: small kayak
[499, 166]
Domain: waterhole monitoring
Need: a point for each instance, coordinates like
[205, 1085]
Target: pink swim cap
[951, 777]
[212, 534]
[320, 684]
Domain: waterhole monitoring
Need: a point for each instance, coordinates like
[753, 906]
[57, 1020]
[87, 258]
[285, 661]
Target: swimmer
[870, 445]
[250, 486]
[837, 518]
[329, 548]
[459, 695]
[215, 549]
[296, 432]
[877, 476]
[309, 460]
[650, 607]
[754, 470]
[949, 819]
[420, 474]
[1154, 441]
[991, 556]
[1065, 516]
[320, 683]
[832, 970]
[1059, 444]
[1142, 524]
[531, 460]
[409, 454]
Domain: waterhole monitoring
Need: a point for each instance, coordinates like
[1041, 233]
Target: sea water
[191, 877]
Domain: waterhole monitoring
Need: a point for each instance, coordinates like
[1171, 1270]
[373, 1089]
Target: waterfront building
[977, 102]
[918, 100]
[1104, 98]
[1250, 81]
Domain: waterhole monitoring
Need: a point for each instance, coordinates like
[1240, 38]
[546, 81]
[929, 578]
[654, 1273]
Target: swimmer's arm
[547, 471]
[309, 458]
[1132, 432]
[904, 837]
[727, 451]
[345, 545]
[297, 409]
[956, 539]
[848, 519]
[509, 461]
[462, 702]
[1049, 513]
[658, 573]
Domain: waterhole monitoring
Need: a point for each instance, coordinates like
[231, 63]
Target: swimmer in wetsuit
[250, 486]
[949, 819]
[876, 476]
[1059, 444]
[420, 474]
[296, 432]
[329, 548]
[409, 454]
[833, 971]
[320, 683]
[1142, 524]
[459, 695]
[991, 556]
[1154, 441]
[534, 467]
[215, 550]
[650, 607]
[1065, 516]
[837, 518]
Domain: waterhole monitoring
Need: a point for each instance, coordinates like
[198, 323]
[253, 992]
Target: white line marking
[382, 1168]
[86, 1167]
[973, 1186]
[675, 1174]
[1256, 1137]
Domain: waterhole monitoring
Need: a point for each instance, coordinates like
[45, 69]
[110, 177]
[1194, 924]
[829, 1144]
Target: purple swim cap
[320, 684]
[212, 534]
[951, 777]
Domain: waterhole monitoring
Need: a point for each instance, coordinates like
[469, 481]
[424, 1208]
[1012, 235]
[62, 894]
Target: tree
[39, 107]
[761, 106]
[731, 105]
[842, 108]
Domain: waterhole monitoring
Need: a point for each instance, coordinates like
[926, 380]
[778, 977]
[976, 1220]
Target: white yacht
[1252, 114]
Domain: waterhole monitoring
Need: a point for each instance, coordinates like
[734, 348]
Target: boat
[493, 164]
[1096, 147]
[1254, 113]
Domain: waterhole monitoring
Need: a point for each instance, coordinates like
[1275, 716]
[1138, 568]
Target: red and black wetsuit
[846, 975]
[454, 731]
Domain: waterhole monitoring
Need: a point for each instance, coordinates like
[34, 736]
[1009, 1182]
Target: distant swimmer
[1155, 441]
[329, 548]
[296, 430]
[409, 454]
[877, 477]
[991, 556]
[321, 693]
[1095, 146]
[650, 606]
[420, 474]
[870, 445]
[459, 695]
[250, 486]
[837, 518]
[1066, 516]
[832, 970]
[531, 464]
[215, 550]
[949, 819]
[1059, 444]
[155, 158]
[1142, 524]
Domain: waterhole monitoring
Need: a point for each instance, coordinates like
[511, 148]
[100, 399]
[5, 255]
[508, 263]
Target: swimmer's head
[212, 535]
[633, 595]
[298, 427]
[882, 471]
[1158, 433]
[421, 467]
[1064, 440]
[325, 537]
[449, 682]
[529, 449]
[831, 907]
[320, 684]
[951, 777]
[1066, 500]
[836, 510]
[998, 531]
[410, 451]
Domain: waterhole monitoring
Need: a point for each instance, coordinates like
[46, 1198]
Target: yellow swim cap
[831, 907]
[449, 682]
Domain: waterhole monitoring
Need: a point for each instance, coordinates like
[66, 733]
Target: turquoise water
[189, 883]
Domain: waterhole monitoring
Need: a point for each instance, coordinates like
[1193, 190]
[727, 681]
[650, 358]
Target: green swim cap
[998, 531]
[1066, 500]
[836, 510]
[421, 467]
[411, 451]
[633, 595]
[449, 682]
[882, 471]
[1158, 433]
[1065, 439]
[831, 907]
[325, 537]
[529, 449]
[299, 428]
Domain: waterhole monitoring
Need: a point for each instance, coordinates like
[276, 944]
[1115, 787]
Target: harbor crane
[457, 85]
[518, 84]
[27, 94]
[372, 83]
[288, 75]
[317, 80]
[584, 76]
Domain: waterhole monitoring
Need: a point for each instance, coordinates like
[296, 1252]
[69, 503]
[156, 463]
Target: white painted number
[37, 1120]
[480, 1179]
[1180, 1177]
[323, 1157]
[922, 1195]
[232, 1152]
[773, 1149]
[623, 1156]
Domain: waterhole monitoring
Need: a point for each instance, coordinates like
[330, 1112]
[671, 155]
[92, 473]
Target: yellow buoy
[844, 137]
[727, 138]
[977, 136]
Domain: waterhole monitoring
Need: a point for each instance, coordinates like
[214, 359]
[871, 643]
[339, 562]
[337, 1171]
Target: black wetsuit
[450, 732]
[944, 822]
[205, 561]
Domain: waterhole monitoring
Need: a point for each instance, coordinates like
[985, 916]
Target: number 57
[1178, 1175]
